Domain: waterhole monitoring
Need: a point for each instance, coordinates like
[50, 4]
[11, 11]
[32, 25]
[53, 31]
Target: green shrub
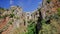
[5, 16]
[12, 11]
[16, 17]
[1, 17]
[58, 11]
[48, 1]
[10, 22]
[43, 21]
[12, 15]
[47, 28]
[31, 28]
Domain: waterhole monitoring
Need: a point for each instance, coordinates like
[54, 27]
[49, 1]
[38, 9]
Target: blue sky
[27, 5]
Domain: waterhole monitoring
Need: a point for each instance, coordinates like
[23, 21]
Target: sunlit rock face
[16, 19]
[28, 15]
[19, 18]
[35, 15]
[50, 10]
[49, 7]
[17, 11]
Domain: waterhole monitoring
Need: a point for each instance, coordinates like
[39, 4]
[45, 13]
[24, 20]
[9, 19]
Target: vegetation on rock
[31, 28]
[48, 1]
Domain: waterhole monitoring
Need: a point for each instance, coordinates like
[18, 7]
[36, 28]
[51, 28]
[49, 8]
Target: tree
[31, 28]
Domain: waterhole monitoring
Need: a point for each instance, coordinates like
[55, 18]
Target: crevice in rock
[1, 32]
[39, 24]
[48, 21]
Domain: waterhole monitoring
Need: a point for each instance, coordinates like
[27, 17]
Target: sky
[27, 5]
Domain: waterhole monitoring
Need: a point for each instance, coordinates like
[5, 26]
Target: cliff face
[13, 18]
[49, 7]
[50, 11]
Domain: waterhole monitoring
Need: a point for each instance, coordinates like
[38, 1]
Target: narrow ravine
[39, 24]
